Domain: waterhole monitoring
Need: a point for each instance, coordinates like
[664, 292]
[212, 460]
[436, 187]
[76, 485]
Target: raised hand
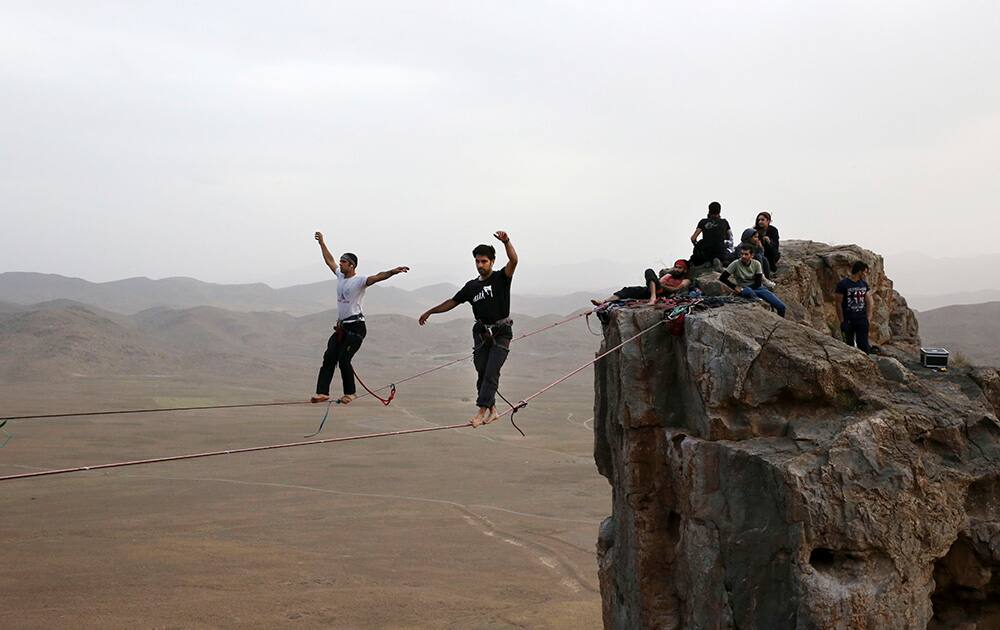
[399, 270]
[501, 236]
[319, 237]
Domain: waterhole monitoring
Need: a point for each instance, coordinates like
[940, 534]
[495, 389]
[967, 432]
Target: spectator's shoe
[717, 265]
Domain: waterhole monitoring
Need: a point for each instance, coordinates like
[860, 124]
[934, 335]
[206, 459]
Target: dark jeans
[856, 332]
[340, 349]
[489, 355]
[765, 295]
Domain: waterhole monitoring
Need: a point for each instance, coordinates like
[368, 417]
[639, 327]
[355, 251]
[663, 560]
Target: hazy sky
[211, 139]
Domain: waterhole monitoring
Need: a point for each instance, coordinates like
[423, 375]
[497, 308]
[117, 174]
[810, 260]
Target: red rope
[112, 413]
[384, 401]
[173, 458]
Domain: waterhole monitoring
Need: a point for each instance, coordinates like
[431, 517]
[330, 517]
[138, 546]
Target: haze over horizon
[160, 141]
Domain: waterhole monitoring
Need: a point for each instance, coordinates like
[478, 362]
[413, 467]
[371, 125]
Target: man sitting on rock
[749, 276]
[751, 237]
[714, 232]
[673, 282]
[855, 309]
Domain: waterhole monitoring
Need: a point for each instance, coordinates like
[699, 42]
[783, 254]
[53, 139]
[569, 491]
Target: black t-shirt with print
[490, 298]
[853, 304]
[714, 230]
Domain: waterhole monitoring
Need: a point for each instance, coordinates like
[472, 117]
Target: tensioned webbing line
[366, 436]
[270, 404]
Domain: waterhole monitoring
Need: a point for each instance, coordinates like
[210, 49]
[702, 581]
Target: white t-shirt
[350, 291]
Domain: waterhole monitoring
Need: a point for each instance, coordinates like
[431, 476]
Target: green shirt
[743, 275]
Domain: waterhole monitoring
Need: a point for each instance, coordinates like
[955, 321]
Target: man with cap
[673, 282]
[489, 295]
[350, 330]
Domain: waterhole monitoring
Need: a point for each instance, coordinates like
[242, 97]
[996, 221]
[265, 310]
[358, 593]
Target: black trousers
[856, 332]
[341, 348]
[705, 252]
[489, 355]
[639, 293]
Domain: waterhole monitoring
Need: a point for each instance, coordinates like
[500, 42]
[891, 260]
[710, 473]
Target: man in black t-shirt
[855, 309]
[714, 231]
[489, 295]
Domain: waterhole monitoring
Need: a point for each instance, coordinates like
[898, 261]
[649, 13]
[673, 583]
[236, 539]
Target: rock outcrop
[806, 277]
[765, 475]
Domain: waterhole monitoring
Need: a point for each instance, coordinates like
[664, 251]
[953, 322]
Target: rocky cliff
[765, 475]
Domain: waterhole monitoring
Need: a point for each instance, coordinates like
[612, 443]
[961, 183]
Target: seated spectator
[714, 231]
[768, 239]
[673, 282]
[752, 238]
[855, 309]
[749, 277]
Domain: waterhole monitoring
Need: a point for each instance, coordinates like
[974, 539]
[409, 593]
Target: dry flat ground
[451, 529]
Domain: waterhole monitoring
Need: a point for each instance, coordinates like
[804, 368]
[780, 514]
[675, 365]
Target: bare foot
[596, 302]
[318, 398]
[491, 415]
[477, 420]
[346, 399]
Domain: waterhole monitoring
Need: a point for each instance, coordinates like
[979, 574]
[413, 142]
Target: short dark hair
[858, 267]
[715, 208]
[746, 247]
[351, 257]
[485, 250]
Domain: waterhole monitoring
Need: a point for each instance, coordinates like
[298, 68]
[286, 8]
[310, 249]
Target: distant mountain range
[133, 295]
[61, 338]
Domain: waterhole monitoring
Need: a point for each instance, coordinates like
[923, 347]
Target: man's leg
[847, 331]
[490, 379]
[748, 293]
[861, 332]
[771, 299]
[328, 367]
[353, 338]
[480, 357]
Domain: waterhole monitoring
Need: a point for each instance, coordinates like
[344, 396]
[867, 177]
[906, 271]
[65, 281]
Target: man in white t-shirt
[350, 330]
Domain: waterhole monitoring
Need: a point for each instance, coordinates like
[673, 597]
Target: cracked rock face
[765, 475]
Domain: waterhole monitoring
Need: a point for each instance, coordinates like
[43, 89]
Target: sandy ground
[453, 529]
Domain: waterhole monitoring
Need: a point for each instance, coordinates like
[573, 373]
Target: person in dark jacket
[768, 239]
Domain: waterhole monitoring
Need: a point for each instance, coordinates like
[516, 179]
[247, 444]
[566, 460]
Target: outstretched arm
[384, 275]
[443, 307]
[511, 254]
[328, 258]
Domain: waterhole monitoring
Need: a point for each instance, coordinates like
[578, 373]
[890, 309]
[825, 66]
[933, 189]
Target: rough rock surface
[765, 475]
[806, 277]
